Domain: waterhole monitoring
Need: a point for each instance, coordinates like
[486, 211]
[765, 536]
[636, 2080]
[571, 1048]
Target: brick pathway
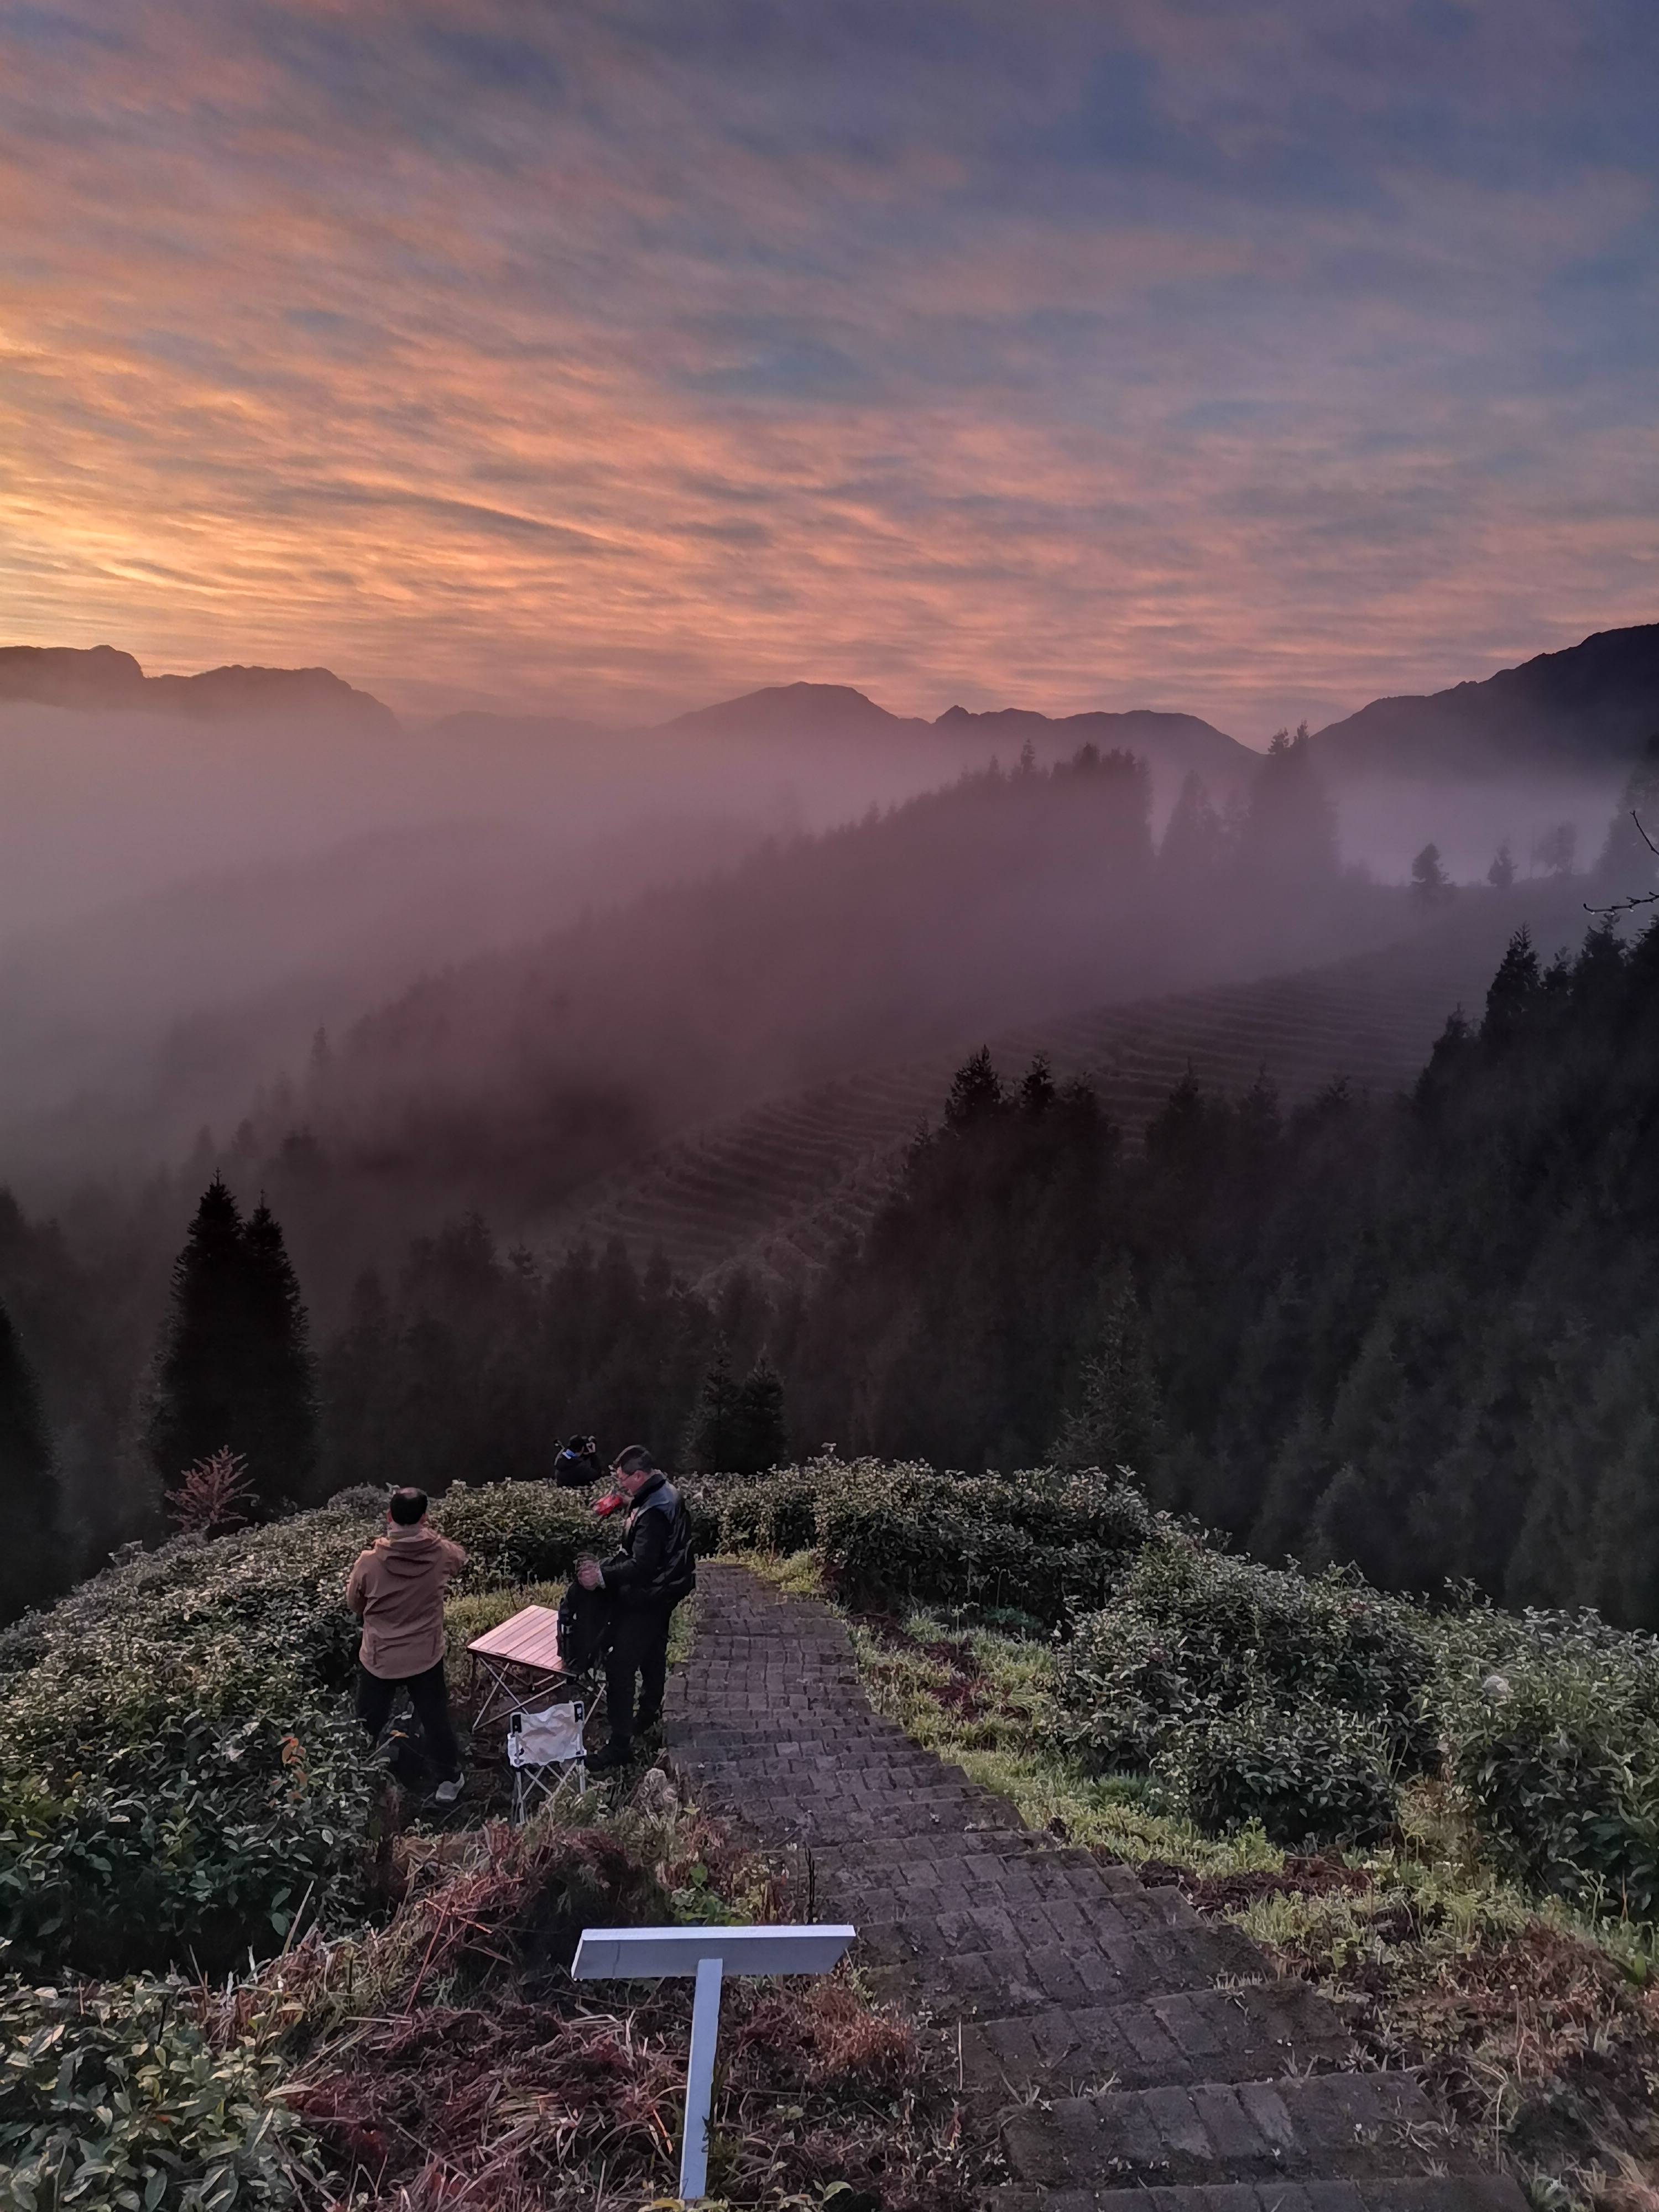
[1140, 2059]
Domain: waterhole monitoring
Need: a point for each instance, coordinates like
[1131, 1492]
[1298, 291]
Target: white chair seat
[544, 1750]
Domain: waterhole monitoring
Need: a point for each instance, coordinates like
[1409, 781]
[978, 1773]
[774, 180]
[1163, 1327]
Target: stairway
[1139, 2058]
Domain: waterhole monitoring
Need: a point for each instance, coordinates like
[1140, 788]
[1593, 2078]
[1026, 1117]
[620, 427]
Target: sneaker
[610, 1760]
[448, 1792]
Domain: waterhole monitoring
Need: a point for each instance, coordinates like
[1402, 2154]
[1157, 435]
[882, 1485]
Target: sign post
[708, 1954]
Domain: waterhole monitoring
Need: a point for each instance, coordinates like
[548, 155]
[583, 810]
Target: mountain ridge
[1592, 705]
[101, 679]
[1589, 706]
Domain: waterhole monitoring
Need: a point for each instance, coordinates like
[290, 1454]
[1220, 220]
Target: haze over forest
[392, 978]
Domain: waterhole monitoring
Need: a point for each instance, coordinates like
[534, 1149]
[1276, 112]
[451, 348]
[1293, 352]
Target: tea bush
[1553, 1730]
[1044, 1543]
[520, 1532]
[178, 1764]
[1308, 1773]
[763, 1513]
[117, 2098]
[1192, 1626]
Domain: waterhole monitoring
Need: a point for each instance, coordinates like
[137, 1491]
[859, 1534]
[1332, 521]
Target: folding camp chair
[544, 1750]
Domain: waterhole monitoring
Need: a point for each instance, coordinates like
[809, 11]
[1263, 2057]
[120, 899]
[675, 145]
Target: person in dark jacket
[578, 1464]
[646, 1578]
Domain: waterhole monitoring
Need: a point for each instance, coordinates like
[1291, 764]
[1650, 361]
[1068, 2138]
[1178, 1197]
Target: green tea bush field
[179, 1766]
[1040, 1542]
[519, 1532]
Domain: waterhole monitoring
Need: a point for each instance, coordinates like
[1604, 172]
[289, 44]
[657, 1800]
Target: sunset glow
[1252, 359]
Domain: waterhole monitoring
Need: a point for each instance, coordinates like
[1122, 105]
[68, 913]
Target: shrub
[1192, 1626]
[1308, 1774]
[176, 1766]
[774, 1512]
[117, 2098]
[1555, 1749]
[199, 1847]
[1044, 1543]
[519, 1532]
[214, 1494]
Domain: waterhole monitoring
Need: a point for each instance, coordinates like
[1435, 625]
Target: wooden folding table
[519, 1661]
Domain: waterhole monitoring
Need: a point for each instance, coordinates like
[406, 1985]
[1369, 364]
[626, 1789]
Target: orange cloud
[614, 365]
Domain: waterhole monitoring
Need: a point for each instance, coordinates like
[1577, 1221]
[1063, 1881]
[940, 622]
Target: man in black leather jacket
[646, 1578]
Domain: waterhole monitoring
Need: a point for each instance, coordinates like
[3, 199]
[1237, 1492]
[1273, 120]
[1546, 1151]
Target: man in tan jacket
[397, 1590]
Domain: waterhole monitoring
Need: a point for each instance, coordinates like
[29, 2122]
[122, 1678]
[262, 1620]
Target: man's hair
[407, 1507]
[636, 1460]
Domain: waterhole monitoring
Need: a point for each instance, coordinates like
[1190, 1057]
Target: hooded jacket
[397, 1590]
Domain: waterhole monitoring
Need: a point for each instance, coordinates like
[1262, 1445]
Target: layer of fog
[183, 904]
[1385, 823]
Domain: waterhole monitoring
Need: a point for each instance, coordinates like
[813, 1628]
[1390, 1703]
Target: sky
[1254, 357]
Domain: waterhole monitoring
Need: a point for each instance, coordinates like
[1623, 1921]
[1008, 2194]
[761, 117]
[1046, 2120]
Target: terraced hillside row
[777, 1187]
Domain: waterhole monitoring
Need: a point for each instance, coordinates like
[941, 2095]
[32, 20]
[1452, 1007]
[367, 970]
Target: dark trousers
[430, 1695]
[639, 1651]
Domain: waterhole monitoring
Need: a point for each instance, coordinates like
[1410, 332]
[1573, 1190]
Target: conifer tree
[1194, 842]
[1289, 836]
[282, 1383]
[29, 1567]
[762, 1439]
[1430, 882]
[1117, 1420]
[235, 1370]
[713, 1438]
[1501, 874]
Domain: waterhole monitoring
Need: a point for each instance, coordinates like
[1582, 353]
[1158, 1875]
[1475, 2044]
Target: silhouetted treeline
[1421, 1335]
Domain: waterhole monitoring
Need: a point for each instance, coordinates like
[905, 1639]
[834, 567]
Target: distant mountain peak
[100, 679]
[811, 708]
[1589, 706]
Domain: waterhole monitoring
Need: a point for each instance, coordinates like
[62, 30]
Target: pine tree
[1194, 843]
[1117, 1420]
[1289, 837]
[1501, 874]
[976, 1094]
[1430, 882]
[30, 1568]
[714, 1438]
[1513, 992]
[1556, 850]
[282, 1385]
[235, 1371]
[762, 1439]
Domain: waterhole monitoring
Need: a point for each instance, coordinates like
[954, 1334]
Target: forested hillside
[508, 1082]
[1417, 1334]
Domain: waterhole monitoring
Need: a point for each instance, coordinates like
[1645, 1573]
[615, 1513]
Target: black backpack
[584, 1629]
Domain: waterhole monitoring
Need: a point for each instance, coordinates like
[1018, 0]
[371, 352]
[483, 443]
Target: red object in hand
[604, 1506]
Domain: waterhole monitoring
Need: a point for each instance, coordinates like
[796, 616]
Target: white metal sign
[653, 1954]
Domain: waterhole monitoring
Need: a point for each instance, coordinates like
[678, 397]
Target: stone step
[1470, 2192]
[1183, 2038]
[1322, 2127]
[1009, 1981]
